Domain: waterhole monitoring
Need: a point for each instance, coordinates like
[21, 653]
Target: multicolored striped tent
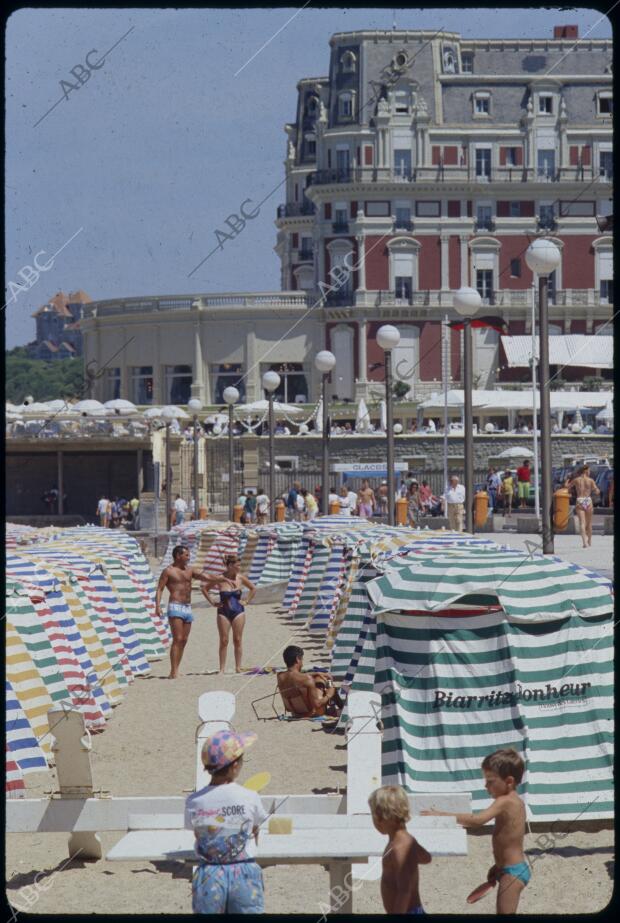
[480, 650]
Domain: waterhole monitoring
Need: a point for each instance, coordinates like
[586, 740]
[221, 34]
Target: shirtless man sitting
[177, 578]
[307, 695]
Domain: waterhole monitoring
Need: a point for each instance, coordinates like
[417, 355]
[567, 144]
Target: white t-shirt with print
[262, 503]
[224, 817]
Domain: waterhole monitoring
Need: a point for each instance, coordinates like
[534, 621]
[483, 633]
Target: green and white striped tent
[533, 671]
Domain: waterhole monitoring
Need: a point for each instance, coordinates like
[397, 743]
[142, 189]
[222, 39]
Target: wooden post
[71, 748]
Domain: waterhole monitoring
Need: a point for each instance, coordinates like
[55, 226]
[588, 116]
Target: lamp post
[231, 396]
[388, 338]
[271, 382]
[195, 406]
[466, 303]
[542, 257]
[168, 482]
[325, 362]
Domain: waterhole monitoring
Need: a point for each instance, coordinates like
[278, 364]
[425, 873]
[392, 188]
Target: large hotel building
[421, 163]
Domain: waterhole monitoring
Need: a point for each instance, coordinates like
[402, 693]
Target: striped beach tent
[13, 776]
[29, 685]
[20, 736]
[313, 576]
[226, 542]
[61, 633]
[533, 671]
[301, 561]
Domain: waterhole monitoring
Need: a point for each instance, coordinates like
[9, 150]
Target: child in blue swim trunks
[400, 877]
[503, 771]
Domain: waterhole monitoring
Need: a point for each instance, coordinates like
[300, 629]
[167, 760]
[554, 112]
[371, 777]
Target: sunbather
[307, 695]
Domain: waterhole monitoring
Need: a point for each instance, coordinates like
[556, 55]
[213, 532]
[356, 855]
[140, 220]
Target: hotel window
[312, 105]
[345, 101]
[607, 291]
[142, 384]
[402, 163]
[293, 387]
[604, 104]
[606, 165]
[311, 147]
[483, 163]
[484, 217]
[223, 376]
[605, 273]
[546, 216]
[467, 63]
[428, 209]
[403, 217]
[484, 284]
[552, 288]
[515, 268]
[112, 384]
[545, 105]
[178, 384]
[482, 104]
[342, 163]
[515, 209]
[546, 163]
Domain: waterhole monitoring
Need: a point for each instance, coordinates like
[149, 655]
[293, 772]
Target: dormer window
[605, 104]
[348, 62]
[482, 104]
[545, 104]
[467, 63]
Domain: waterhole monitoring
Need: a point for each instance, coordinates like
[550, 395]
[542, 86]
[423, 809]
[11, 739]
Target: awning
[574, 350]
[501, 401]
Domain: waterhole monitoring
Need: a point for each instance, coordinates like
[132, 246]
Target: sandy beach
[148, 749]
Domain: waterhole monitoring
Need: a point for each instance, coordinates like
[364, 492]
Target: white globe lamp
[217, 429]
[542, 256]
[194, 405]
[398, 428]
[230, 395]
[303, 428]
[467, 301]
[325, 361]
[388, 336]
[489, 428]
[271, 381]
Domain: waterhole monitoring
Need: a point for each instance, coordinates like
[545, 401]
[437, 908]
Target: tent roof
[573, 350]
[529, 588]
[519, 400]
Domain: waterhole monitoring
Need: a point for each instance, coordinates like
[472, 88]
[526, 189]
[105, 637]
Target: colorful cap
[223, 748]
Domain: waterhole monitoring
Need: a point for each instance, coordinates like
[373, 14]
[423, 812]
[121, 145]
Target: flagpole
[535, 423]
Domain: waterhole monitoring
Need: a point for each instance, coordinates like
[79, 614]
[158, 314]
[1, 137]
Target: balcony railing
[295, 209]
[449, 174]
[546, 224]
[340, 227]
[505, 298]
[306, 255]
[342, 297]
[403, 224]
[483, 224]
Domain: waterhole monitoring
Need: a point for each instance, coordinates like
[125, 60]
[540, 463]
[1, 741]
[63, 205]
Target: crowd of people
[118, 512]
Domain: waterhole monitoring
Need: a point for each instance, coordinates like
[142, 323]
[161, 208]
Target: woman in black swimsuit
[230, 610]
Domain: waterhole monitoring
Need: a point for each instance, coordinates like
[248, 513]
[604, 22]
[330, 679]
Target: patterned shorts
[233, 888]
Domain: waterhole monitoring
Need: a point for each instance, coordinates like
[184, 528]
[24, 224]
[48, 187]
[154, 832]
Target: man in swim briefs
[177, 578]
[366, 500]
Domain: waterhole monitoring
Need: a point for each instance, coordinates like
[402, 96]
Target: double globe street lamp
[231, 396]
[388, 338]
[271, 383]
[467, 302]
[325, 362]
[542, 257]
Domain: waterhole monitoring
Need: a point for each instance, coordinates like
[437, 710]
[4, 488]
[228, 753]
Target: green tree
[45, 381]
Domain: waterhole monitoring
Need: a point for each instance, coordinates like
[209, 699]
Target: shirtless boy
[400, 890]
[177, 578]
[503, 771]
[309, 694]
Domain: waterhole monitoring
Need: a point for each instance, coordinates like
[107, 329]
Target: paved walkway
[600, 557]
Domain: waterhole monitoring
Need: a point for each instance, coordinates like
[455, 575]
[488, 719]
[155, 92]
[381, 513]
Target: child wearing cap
[225, 818]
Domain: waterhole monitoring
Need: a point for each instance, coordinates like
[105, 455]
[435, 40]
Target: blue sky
[131, 174]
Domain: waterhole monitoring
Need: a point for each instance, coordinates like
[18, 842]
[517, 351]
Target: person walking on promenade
[507, 491]
[177, 579]
[524, 476]
[584, 486]
[103, 509]
[493, 486]
[180, 509]
[413, 505]
[262, 507]
[311, 506]
[455, 503]
[230, 610]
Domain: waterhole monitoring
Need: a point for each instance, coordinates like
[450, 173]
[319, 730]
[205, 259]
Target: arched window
[348, 62]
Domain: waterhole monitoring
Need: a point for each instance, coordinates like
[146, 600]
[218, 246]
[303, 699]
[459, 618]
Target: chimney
[566, 31]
